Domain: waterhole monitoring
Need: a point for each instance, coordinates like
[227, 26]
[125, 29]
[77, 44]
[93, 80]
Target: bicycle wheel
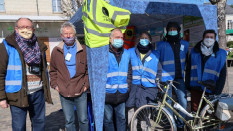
[145, 117]
[209, 118]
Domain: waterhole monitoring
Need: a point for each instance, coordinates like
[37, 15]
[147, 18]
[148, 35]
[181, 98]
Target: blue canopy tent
[145, 15]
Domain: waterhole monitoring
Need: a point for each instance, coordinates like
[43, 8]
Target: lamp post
[37, 8]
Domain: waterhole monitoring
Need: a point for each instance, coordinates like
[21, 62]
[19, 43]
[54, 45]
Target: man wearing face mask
[69, 76]
[173, 51]
[24, 83]
[206, 62]
[117, 85]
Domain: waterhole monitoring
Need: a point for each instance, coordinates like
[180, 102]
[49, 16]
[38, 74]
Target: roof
[13, 18]
[229, 9]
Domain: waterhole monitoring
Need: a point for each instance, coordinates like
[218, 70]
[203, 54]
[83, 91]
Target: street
[55, 120]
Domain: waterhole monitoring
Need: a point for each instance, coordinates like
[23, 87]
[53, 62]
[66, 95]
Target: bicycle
[154, 116]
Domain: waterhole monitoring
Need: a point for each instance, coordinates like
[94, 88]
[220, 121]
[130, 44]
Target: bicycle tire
[210, 117]
[145, 116]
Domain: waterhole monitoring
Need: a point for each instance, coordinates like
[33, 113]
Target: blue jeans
[181, 97]
[68, 104]
[36, 111]
[119, 114]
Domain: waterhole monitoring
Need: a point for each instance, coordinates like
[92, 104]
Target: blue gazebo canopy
[156, 13]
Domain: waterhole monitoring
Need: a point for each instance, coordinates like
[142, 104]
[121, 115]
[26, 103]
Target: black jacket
[222, 77]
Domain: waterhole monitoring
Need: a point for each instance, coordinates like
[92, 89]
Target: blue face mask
[117, 43]
[172, 33]
[144, 42]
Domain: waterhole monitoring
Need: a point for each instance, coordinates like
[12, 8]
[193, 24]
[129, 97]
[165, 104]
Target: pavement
[55, 120]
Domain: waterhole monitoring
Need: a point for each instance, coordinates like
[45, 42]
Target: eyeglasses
[25, 27]
[68, 34]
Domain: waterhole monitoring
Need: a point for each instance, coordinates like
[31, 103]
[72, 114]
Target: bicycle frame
[189, 123]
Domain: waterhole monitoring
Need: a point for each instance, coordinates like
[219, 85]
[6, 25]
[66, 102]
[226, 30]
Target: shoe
[180, 129]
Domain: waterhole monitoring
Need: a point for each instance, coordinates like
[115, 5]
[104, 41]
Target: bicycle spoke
[146, 118]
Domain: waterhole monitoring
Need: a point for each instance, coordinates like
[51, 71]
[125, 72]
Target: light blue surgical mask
[117, 43]
[144, 42]
[172, 33]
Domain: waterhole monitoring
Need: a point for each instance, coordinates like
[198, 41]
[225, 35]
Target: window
[57, 6]
[229, 24]
[2, 5]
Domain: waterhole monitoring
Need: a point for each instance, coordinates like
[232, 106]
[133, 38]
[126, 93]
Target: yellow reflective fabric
[142, 56]
[100, 20]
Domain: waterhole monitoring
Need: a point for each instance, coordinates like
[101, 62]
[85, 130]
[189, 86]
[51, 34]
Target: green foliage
[231, 6]
[230, 44]
[230, 55]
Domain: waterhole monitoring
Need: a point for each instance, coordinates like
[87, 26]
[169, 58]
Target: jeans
[139, 96]
[36, 111]
[68, 104]
[119, 114]
[181, 97]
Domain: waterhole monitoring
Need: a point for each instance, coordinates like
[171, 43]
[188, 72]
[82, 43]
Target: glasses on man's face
[24, 27]
[68, 34]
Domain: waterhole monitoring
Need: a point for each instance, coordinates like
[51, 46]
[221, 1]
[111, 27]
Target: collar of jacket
[11, 41]
[112, 51]
[61, 45]
[138, 53]
[197, 47]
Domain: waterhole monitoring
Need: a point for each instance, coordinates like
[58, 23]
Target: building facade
[46, 14]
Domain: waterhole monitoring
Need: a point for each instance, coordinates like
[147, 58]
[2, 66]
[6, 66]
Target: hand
[4, 104]
[85, 88]
[56, 88]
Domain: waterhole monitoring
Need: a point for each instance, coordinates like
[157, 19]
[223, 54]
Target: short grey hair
[16, 23]
[67, 24]
[113, 31]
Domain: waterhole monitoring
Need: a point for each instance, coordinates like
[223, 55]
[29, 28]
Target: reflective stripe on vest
[212, 69]
[144, 74]
[213, 72]
[13, 79]
[117, 74]
[100, 20]
[116, 86]
[167, 59]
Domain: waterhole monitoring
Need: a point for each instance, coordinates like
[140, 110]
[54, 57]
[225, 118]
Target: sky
[230, 2]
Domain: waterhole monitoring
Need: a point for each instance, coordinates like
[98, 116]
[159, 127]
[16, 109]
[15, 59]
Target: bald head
[23, 23]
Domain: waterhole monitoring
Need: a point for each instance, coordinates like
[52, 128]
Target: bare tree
[69, 7]
[221, 12]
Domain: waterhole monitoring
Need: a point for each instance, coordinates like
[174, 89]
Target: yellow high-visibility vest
[99, 19]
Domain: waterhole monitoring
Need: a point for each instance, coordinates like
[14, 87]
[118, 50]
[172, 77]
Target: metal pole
[37, 7]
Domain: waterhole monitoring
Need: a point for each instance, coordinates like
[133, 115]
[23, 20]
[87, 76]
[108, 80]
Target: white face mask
[25, 33]
[208, 42]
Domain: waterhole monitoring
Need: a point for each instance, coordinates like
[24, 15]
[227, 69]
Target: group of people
[25, 85]
[131, 79]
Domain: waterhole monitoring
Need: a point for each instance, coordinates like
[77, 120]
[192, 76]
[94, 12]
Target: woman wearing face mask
[206, 62]
[144, 61]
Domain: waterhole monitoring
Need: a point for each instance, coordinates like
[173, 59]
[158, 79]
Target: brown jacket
[60, 76]
[20, 98]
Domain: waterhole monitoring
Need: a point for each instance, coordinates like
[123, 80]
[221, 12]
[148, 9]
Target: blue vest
[117, 74]
[168, 61]
[13, 80]
[211, 71]
[144, 74]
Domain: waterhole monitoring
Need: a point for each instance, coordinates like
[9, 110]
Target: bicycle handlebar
[169, 82]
